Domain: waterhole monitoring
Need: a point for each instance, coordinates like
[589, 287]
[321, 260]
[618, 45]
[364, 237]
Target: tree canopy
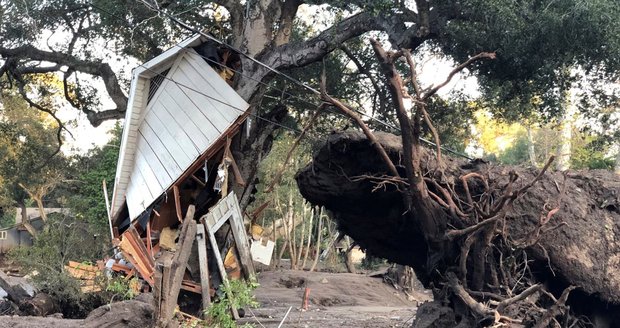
[534, 40]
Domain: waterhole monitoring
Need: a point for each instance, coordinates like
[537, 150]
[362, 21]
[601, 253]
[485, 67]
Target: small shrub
[122, 289]
[219, 313]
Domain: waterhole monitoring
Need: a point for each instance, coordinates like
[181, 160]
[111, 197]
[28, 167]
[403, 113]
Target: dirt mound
[135, 314]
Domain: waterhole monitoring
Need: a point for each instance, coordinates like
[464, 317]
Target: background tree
[28, 142]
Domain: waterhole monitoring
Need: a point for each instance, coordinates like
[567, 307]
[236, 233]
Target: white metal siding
[187, 114]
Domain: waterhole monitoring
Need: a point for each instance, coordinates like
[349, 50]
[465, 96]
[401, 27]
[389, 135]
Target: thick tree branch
[94, 68]
[312, 50]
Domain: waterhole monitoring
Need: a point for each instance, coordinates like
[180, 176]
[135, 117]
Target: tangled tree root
[517, 243]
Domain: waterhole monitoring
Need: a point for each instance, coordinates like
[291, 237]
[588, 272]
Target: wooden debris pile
[86, 274]
[184, 263]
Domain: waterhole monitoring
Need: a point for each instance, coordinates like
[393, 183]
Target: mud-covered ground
[336, 300]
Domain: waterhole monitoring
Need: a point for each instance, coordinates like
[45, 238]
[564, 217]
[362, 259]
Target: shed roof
[167, 131]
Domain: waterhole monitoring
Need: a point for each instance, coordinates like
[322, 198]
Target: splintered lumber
[135, 252]
[117, 267]
[174, 266]
[79, 273]
[177, 202]
[204, 266]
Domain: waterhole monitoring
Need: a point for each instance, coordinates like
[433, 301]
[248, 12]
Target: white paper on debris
[262, 253]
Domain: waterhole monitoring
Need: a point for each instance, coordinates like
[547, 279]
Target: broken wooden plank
[135, 252]
[82, 266]
[177, 202]
[236, 172]
[204, 266]
[191, 286]
[149, 242]
[241, 238]
[117, 267]
[80, 274]
[172, 282]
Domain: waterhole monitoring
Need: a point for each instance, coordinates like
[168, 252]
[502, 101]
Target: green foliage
[7, 219]
[536, 43]
[589, 152]
[87, 202]
[122, 288]
[27, 141]
[219, 313]
[371, 263]
[286, 190]
[64, 238]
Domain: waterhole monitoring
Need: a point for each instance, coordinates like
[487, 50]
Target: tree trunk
[579, 248]
[348, 262]
[530, 145]
[308, 243]
[318, 242]
[566, 133]
[39, 201]
[25, 221]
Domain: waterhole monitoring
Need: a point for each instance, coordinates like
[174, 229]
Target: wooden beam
[149, 243]
[177, 202]
[135, 252]
[204, 266]
[227, 153]
[241, 238]
[172, 281]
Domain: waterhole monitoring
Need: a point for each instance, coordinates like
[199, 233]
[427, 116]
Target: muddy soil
[336, 300]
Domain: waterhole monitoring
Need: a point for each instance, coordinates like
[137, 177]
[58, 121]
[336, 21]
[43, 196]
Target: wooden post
[241, 238]
[204, 267]
[174, 269]
[304, 302]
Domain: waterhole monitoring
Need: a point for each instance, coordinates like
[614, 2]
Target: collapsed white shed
[179, 109]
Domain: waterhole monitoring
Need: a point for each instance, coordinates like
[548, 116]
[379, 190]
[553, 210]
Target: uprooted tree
[503, 245]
